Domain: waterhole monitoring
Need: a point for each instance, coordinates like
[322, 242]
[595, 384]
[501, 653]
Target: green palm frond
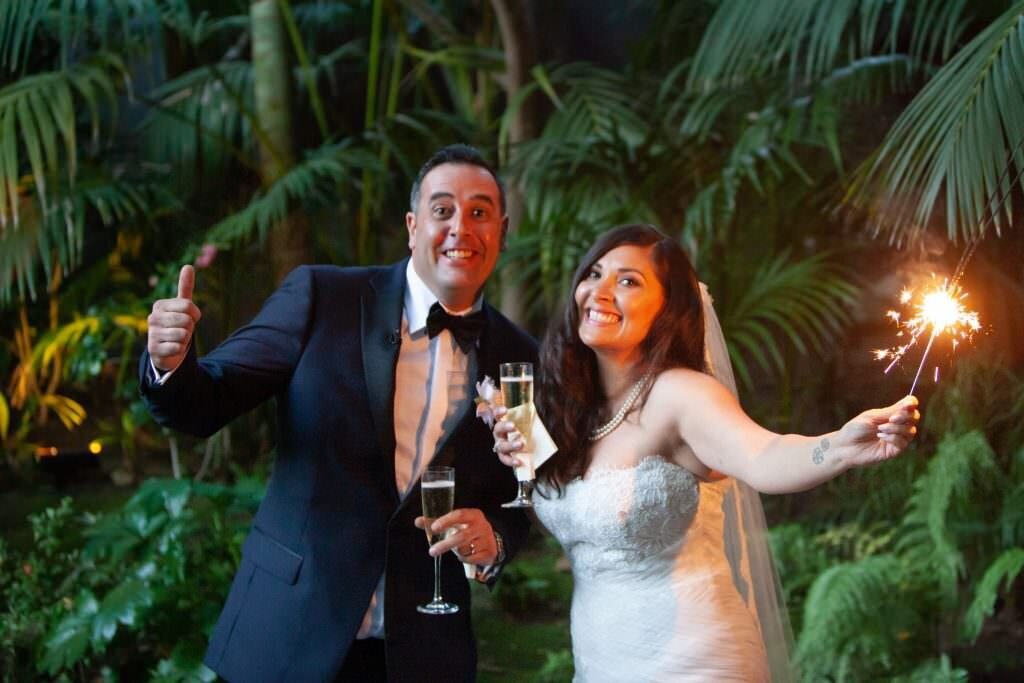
[806, 301]
[38, 115]
[853, 624]
[595, 103]
[460, 67]
[952, 147]
[206, 114]
[313, 182]
[18, 24]
[124, 25]
[931, 535]
[326, 65]
[996, 402]
[806, 40]
[435, 21]
[315, 17]
[198, 29]
[1003, 571]
[411, 135]
[588, 149]
[60, 233]
[762, 145]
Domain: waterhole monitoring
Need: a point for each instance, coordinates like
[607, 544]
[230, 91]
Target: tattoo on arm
[819, 452]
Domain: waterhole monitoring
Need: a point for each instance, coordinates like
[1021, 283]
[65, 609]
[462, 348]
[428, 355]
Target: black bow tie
[465, 328]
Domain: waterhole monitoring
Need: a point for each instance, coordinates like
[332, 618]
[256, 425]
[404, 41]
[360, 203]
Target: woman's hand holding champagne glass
[517, 397]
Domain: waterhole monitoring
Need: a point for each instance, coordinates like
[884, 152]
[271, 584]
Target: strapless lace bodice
[623, 521]
[654, 596]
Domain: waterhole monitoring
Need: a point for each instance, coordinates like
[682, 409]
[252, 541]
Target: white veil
[746, 534]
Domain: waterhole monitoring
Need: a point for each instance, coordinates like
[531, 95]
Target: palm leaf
[313, 182]
[953, 146]
[203, 114]
[61, 232]
[804, 301]
[70, 412]
[18, 24]
[805, 40]
[73, 24]
[761, 145]
[38, 114]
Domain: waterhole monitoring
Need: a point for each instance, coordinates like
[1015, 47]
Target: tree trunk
[517, 37]
[289, 243]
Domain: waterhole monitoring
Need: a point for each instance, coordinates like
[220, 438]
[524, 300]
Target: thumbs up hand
[171, 324]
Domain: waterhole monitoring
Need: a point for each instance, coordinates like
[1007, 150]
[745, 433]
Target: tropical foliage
[774, 139]
[137, 598]
[876, 597]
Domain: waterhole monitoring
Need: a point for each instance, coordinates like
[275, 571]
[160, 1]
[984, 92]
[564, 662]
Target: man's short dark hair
[454, 154]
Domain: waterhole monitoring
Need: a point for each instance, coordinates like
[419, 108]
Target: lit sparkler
[940, 310]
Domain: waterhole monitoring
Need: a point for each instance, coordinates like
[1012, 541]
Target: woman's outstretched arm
[724, 438]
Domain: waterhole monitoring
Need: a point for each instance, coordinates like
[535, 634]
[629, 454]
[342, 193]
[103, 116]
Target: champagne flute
[438, 490]
[517, 397]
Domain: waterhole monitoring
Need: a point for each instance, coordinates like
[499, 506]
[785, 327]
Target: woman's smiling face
[617, 301]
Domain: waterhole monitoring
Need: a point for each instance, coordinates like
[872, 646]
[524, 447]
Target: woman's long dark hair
[571, 399]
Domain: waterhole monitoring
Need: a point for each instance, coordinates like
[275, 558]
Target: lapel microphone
[394, 336]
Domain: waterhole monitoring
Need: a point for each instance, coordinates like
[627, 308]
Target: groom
[373, 371]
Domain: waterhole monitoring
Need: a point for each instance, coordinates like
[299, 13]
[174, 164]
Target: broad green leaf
[123, 605]
[69, 640]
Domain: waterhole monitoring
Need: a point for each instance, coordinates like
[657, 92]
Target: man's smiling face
[456, 232]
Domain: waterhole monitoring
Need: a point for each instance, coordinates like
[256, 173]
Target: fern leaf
[1003, 571]
[961, 463]
[934, 671]
[854, 623]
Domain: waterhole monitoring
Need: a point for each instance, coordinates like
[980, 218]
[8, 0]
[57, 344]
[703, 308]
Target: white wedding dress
[655, 597]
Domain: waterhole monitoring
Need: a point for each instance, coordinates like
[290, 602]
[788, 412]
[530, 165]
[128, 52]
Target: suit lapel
[382, 304]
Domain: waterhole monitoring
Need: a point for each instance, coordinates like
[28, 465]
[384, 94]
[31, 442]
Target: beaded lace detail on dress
[618, 518]
[654, 597]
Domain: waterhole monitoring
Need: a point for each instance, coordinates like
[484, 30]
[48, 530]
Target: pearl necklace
[610, 426]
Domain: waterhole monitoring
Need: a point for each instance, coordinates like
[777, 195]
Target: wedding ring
[494, 448]
[472, 548]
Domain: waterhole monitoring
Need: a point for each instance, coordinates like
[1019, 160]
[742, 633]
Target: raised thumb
[186, 282]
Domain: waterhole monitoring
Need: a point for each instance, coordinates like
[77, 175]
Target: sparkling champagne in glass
[517, 397]
[438, 490]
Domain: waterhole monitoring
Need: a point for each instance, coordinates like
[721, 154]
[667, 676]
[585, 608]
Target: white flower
[487, 398]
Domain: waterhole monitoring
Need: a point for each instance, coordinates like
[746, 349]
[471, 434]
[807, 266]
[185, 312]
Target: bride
[672, 579]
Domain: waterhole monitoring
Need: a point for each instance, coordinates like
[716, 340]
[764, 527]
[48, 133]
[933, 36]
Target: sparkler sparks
[940, 310]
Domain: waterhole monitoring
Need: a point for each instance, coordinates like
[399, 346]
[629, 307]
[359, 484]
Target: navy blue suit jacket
[325, 345]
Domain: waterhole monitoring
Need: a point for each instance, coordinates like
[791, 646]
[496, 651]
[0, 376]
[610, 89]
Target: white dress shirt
[432, 390]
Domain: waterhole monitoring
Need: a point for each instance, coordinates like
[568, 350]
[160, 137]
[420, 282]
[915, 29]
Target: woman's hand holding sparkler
[879, 434]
